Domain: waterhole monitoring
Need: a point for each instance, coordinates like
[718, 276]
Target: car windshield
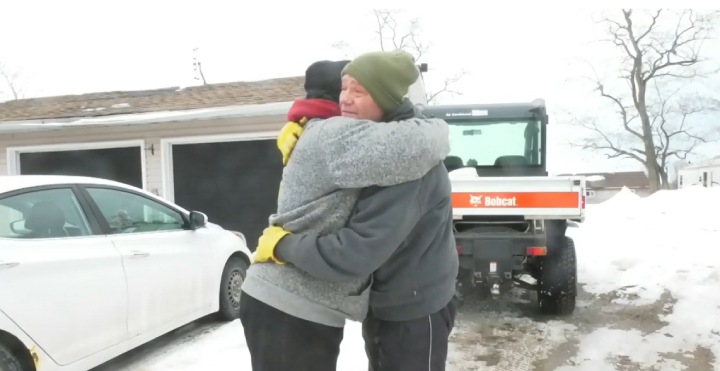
[489, 143]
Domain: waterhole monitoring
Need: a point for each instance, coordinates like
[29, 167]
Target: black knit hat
[323, 80]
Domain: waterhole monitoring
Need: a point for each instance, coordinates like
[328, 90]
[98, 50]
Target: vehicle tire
[232, 279]
[557, 284]
[8, 361]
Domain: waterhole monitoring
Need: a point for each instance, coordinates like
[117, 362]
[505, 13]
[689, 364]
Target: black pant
[280, 342]
[416, 345]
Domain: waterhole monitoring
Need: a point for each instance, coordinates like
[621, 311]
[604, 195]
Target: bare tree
[655, 125]
[390, 37]
[11, 81]
[393, 35]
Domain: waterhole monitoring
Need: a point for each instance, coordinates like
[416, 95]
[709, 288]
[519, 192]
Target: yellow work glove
[265, 250]
[287, 138]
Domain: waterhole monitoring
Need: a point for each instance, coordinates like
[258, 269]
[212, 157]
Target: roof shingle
[143, 101]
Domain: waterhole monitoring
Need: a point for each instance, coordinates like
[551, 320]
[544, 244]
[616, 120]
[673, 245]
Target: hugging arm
[384, 218]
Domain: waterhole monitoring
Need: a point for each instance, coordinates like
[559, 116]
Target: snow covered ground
[649, 273]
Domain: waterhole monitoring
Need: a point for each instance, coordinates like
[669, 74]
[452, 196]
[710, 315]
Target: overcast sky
[512, 54]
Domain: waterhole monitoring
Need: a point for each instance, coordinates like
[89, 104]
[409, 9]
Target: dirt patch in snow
[700, 358]
[508, 334]
[603, 312]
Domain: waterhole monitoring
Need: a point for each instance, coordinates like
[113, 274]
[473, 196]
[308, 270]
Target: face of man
[356, 102]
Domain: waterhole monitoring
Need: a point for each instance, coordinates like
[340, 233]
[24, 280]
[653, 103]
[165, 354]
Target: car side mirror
[18, 227]
[197, 220]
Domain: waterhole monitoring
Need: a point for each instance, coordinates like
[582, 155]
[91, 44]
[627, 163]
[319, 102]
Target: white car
[91, 268]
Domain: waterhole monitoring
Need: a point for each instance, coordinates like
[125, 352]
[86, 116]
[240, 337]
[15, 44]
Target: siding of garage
[150, 133]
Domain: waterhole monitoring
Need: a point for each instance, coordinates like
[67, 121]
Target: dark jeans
[278, 341]
[415, 345]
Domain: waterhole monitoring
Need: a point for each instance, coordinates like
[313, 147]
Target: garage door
[235, 183]
[119, 164]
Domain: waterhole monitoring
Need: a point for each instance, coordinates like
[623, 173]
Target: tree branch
[682, 49]
[12, 83]
[604, 143]
[675, 136]
[622, 110]
[431, 96]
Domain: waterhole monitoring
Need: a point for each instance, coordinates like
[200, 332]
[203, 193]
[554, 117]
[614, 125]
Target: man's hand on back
[265, 250]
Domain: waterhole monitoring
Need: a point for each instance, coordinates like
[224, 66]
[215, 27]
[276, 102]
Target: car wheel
[230, 288]
[557, 287]
[8, 362]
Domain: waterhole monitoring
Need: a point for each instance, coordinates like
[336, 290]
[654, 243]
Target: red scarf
[313, 109]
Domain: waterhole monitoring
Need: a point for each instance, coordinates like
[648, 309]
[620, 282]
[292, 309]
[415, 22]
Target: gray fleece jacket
[331, 162]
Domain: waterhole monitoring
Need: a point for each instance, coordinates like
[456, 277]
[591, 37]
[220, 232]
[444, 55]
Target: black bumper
[504, 253]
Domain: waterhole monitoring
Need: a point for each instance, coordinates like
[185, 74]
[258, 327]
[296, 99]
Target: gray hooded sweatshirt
[331, 162]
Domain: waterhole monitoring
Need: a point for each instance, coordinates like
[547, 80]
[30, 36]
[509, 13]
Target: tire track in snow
[504, 335]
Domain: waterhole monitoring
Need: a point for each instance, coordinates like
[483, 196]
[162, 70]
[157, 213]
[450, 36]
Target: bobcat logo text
[484, 201]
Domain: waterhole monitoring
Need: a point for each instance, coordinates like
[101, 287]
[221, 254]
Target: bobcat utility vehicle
[510, 217]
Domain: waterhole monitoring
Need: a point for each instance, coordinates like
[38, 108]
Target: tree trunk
[664, 183]
[651, 163]
[653, 177]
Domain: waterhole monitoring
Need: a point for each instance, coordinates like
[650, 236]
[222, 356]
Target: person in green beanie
[401, 235]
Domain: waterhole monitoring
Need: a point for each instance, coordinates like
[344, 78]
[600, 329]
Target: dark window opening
[118, 164]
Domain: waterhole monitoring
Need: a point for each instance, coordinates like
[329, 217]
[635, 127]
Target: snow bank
[628, 237]
[664, 248]
[691, 208]
[625, 200]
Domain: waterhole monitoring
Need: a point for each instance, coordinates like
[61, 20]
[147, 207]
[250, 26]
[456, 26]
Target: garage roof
[169, 99]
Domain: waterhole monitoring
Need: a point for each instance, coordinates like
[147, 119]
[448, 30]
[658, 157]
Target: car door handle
[139, 254]
[8, 265]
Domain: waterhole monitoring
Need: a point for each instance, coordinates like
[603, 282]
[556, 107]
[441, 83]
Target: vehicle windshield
[493, 143]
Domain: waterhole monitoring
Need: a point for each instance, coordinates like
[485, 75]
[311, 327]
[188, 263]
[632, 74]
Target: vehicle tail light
[536, 251]
[583, 202]
[458, 249]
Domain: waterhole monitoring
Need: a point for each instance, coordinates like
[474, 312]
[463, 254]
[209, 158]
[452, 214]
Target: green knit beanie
[386, 75]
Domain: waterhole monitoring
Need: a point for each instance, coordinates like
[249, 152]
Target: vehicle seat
[453, 163]
[510, 161]
[45, 220]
